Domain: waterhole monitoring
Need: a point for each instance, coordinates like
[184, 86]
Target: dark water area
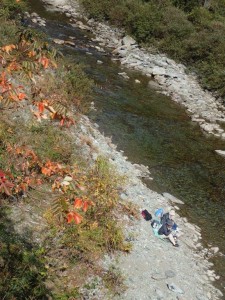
[154, 131]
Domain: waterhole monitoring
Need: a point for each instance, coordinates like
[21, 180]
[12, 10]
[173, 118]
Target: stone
[220, 152]
[137, 81]
[69, 43]
[58, 41]
[128, 41]
[34, 15]
[172, 198]
[124, 75]
[158, 71]
[155, 85]
[172, 287]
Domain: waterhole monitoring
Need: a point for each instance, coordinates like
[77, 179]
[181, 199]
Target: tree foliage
[191, 31]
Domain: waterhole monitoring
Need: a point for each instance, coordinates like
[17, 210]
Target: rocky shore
[154, 269]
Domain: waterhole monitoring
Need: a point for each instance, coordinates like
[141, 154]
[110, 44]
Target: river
[154, 131]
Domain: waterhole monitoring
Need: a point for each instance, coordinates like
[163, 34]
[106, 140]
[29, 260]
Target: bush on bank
[76, 220]
[192, 32]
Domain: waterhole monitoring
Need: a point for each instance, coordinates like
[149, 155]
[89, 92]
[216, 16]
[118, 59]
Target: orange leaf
[31, 53]
[46, 171]
[21, 96]
[85, 206]
[77, 218]
[70, 217]
[44, 61]
[8, 48]
[73, 216]
[78, 203]
[38, 181]
[41, 107]
[23, 186]
[13, 66]
[62, 122]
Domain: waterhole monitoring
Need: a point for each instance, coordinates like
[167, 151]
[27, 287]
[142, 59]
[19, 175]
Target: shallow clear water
[153, 130]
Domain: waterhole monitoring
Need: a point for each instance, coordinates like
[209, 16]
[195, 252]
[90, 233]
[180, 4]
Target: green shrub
[200, 17]
[7, 33]
[78, 87]
[10, 9]
[145, 21]
[49, 143]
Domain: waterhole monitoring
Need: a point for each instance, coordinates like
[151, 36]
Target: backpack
[146, 215]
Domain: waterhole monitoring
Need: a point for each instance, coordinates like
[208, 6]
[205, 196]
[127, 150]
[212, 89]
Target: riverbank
[146, 248]
[153, 265]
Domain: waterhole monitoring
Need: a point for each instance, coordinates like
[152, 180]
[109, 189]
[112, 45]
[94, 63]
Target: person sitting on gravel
[169, 216]
[166, 230]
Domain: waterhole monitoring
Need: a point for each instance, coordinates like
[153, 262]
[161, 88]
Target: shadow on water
[153, 130]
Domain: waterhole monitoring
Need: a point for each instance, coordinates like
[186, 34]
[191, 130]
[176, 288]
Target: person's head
[169, 223]
[172, 214]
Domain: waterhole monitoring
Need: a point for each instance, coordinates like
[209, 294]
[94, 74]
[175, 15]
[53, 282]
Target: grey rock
[220, 152]
[58, 41]
[124, 75]
[128, 41]
[172, 287]
[172, 198]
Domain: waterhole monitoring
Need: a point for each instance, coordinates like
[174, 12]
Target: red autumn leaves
[45, 105]
[5, 185]
[12, 92]
[78, 204]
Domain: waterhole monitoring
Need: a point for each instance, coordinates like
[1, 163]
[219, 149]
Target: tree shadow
[22, 268]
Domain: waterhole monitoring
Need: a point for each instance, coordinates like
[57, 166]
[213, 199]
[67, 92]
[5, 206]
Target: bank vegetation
[59, 214]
